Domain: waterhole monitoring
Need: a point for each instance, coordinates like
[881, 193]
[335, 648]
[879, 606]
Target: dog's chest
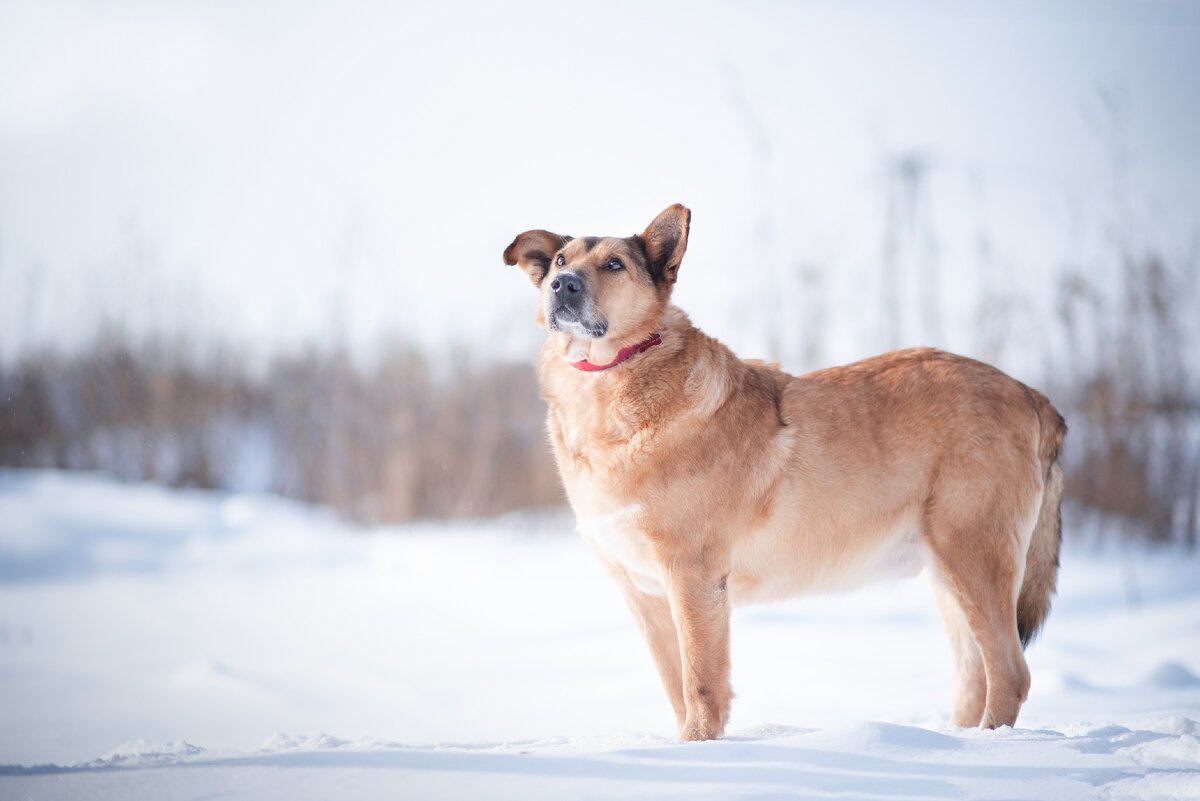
[618, 538]
[592, 444]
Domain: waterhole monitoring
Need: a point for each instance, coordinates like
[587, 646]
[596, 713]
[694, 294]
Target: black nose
[567, 282]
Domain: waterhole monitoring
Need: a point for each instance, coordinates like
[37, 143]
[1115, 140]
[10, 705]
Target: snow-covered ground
[166, 644]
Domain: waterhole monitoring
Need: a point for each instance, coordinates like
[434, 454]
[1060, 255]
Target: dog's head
[604, 288]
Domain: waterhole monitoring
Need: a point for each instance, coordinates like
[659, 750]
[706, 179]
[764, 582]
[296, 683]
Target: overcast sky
[274, 173]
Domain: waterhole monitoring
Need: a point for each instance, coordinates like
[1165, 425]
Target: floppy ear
[666, 240]
[533, 251]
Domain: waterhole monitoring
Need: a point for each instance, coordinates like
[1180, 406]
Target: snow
[179, 644]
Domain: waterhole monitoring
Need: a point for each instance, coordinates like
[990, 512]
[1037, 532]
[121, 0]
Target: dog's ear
[666, 240]
[533, 250]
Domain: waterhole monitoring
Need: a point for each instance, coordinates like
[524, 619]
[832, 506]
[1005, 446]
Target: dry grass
[1130, 394]
[385, 444]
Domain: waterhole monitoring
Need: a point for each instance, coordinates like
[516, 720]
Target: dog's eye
[560, 261]
[614, 265]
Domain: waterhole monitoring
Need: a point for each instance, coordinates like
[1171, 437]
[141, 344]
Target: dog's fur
[705, 481]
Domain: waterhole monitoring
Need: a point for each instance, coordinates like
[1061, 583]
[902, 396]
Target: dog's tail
[1041, 560]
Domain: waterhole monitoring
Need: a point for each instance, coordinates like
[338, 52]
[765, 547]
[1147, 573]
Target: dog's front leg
[653, 614]
[700, 606]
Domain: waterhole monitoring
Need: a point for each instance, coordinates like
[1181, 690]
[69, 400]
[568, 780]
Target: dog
[704, 481]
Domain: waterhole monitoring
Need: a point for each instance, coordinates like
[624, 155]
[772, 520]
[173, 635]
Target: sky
[275, 174]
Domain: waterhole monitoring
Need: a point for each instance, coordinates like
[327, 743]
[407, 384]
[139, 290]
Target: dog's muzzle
[570, 308]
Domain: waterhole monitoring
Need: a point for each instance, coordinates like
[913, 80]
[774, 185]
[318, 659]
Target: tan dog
[705, 481]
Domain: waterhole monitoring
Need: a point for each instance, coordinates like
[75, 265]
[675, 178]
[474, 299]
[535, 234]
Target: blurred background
[256, 247]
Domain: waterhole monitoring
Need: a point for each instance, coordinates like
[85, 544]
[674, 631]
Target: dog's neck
[573, 349]
[613, 416]
[646, 387]
[625, 353]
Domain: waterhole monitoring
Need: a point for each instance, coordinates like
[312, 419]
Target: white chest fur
[619, 539]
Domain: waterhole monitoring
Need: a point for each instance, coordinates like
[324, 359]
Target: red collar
[623, 354]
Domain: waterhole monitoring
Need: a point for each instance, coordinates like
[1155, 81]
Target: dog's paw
[695, 731]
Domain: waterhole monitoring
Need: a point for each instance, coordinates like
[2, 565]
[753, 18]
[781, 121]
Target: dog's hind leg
[700, 607]
[653, 614]
[981, 567]
[970, 692]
